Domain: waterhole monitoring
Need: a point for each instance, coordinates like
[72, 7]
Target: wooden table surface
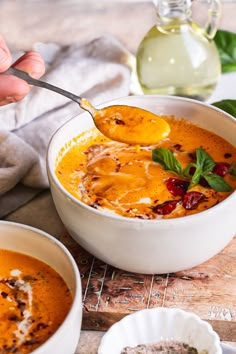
[24, 22]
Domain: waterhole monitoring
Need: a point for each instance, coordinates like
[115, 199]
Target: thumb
[5, 55]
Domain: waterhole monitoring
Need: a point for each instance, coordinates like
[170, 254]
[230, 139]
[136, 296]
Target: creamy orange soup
[34, 301]
[124, 179]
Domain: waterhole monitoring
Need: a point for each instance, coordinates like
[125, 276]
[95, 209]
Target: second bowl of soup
[40, 293]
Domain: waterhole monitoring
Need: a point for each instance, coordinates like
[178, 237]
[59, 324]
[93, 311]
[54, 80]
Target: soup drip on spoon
[126, 124]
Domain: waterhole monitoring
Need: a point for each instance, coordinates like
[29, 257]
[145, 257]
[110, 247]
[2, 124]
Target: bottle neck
[169, 10]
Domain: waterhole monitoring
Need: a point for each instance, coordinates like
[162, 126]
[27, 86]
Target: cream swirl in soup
[34, 301]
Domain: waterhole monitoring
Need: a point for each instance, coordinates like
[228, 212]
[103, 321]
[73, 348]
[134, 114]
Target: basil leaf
[204, 161]
[166, 158]
[228, 106]
[226, 45]
[217, 183]
[232, 170]
[196, 176]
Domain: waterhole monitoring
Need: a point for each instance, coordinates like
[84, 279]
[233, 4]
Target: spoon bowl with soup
[131, 125]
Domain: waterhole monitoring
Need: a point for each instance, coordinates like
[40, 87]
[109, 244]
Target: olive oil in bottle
[177, 56]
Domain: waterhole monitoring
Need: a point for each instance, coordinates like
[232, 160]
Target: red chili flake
[13, 318]
[95, 205]
[11, 282]
[141, 217]
[193, 155]
[165, 208]
[177, 147]
[192, 199]
[227, 155]
[192, 170]
[119, 121]
[203, 182]
[41, 325]
[118, 167]
[31, 341]
[20, 304]
[177, 186]
[221, 168]
[7, 349]
[4, 294]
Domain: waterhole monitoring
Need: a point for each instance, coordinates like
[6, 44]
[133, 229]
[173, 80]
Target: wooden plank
[208, 290]
[101, 321]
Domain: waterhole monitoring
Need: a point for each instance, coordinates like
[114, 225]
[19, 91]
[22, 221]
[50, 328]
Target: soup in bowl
[148, 209]
[40, 293]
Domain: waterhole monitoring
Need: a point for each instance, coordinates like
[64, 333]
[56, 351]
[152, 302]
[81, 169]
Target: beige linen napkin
[98, 71]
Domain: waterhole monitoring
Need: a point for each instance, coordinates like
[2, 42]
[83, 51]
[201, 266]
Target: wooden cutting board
[208, 290]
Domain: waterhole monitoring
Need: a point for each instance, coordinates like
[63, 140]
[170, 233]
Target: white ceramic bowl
[160, 324]
[147, 246]
[38, 244]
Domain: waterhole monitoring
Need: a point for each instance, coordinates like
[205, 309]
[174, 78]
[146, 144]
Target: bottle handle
[214, 12]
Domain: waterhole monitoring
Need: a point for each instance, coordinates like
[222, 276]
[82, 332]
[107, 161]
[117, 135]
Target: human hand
[13, 89]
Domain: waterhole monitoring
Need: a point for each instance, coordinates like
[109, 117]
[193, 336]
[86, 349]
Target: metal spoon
[131, 125]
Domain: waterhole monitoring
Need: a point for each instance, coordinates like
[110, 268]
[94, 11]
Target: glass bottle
[178, 56]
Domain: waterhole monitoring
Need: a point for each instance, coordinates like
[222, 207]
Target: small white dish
[161, 324]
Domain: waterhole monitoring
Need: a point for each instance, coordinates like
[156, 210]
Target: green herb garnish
[226, 44]
[228, 106]
[217, 183]
[203, 168]
[167, 159]
[232, 170]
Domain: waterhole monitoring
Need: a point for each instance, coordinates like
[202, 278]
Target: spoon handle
[26, 77]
